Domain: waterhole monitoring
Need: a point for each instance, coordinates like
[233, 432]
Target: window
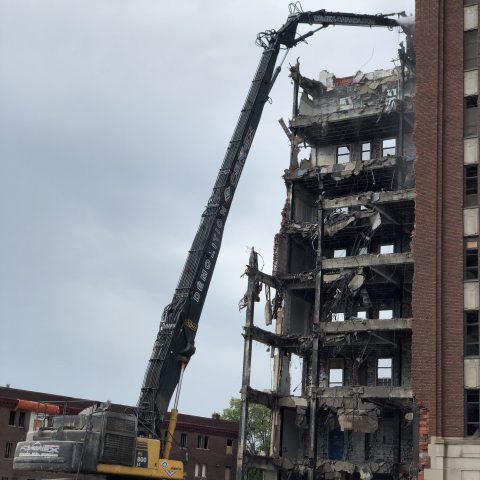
[229, 446]
[338, 317]
[21, 419]
[470, 50]
[202, 442]
[466, 3]
[339, 253]
[183, 440]
[386, 249]
[8, 449]
[11, 418]
[343, 154]
[228, 473]
[385, 314]
[384, 372]
[471, 258]
[470, 113]
[362, 314]
[335, 372]
[200, 470]
[389, 146]
[366, 151]
[472, 400]
[470, 185]
[472, 346]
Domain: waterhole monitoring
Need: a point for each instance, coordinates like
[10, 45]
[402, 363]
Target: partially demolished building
[377, 269]
[343, 273]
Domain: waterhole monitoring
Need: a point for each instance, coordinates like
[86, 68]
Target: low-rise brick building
[206, 446]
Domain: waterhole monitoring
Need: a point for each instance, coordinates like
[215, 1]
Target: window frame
[8, 450]
[470, 184]
[466, 409]
[475, 324]
[380, 381]
[339, 155]
[470, 272]
[183, 440]
[11, 418]
[369, 151]
[385, 150]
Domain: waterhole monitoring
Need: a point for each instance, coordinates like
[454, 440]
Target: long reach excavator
[110, 444]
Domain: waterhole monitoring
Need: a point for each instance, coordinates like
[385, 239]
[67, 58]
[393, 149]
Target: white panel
[470, 221]
[323, 156]
[472, 372]
[470, 475]
[470, 17]
[470, 150]
[470, 295]
[470, 82]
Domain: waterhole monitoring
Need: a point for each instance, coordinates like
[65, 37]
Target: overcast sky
[114, 118]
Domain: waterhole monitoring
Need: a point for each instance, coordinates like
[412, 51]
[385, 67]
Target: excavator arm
[174, 344]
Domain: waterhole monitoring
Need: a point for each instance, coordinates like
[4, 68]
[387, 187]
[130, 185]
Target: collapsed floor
[342, 277]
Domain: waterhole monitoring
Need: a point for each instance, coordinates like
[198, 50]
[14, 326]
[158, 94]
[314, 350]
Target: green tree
[258, 426]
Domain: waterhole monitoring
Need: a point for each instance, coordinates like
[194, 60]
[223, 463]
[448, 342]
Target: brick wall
[437, 343]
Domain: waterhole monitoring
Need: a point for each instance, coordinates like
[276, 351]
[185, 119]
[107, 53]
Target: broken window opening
[470, 185]
[471, 259]
[470, 116]
[366, 150]
[362, 314]
[472, 412]
[470, 50]
[340, 253]
[363, 251]
[389, 146]
[338, 317]
[384, 372]
[472, 344]
[343, 154]
[335, 372]
[385, 249]
[296, 371]
[385, 314]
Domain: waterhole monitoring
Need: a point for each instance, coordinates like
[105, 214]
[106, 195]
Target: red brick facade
[437, 352]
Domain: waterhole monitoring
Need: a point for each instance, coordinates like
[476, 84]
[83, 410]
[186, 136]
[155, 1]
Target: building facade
[375, 286]
[206, 446]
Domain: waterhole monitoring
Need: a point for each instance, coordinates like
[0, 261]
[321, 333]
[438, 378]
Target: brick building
[207, 446]
[376, 268]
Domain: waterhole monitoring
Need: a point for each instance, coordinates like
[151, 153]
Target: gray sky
[115, 116]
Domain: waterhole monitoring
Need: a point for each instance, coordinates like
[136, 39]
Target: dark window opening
[343, 154]
[472, 400]
[472, 345]
[8, 449]
[471, 185]
[470, 50]
[183, 440]
[470, 114]
[202, 442]
[229, 446]
[11, 418]
[21, 419]
[471, 258]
